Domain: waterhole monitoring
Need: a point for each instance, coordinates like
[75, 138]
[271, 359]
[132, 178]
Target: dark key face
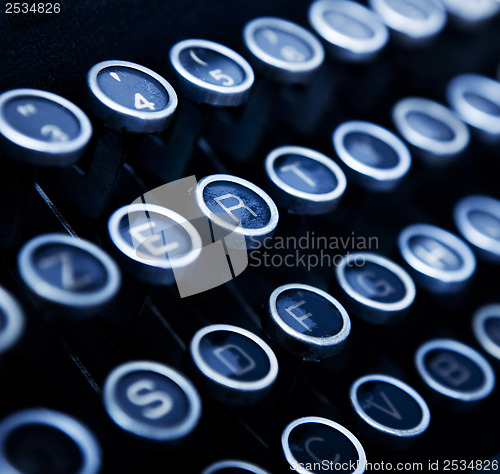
[455, 370]
[237, 204]
[234, 356]
[492, 328]
[42, 119]
[483, 103]
[370, 150]
[212, 67]
[133, 89]
[309, 313]
[486, 223]
[304, 174]
[69, 269]
[316, 445]
[390, 406]
[69, 272]
[282, 45]
[435, 254]
[430, 126]
[11, 321]
[41, 449]
[151, 400]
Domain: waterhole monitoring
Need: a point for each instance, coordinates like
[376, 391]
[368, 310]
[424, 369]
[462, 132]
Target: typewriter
[249, 237]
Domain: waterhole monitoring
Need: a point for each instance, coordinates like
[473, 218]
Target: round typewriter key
[11, 321]
[131, 98]
[211, 73]
[478, 220]
[153, 241]
[471, 14]
[455, 370]
[394, 410]
[304, 181]
[378, 290]
[45, 441]
[283, 50]
[315, 441]
[307, 321]
[236, 205]
[436, 133]
[42, 128]
[233, 467]
[353, 32]
[233, 364]
[486, 328]
[151, 400]
[439, 260]
[476, 100]
[374, 157]
[72, 273]
[414, 22]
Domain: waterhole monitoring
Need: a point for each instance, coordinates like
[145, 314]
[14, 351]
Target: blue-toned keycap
[232, 364]
[42, 128]
[304, 180]
[211, 73]
[283, 50]
[47, 441]
[130, 97]
[455, 370]
[394, 413]
[313, 439]
[233, 466]
[351, 31]
[11, 321]
[374, 157]
[471, 14]
[438, 259]
[236, 205]
[413, 22]
[476, 100]
[152, 401]
[68, 272]
[478, 220]
[153, 242]
[434, 131]
[307, 321]
[486, 328]
[377, 290]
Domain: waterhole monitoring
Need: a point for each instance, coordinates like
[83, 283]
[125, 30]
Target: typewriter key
[153, 242]
[129, 97]
[11, 321]
[233, 467]
[232, 364]
[478, 220]
[152, 401]
[414, 22]
[476, 100]
[41, 440]
[433, 130]
[313, 439]
[236, 205]
[42, 128]
[486, 328]
[304, 181]
[378, 290]
[395, 413]
[439, 261]
[283, 50]
[351, 31]
[455, 370]
[374, 157]
[73, 274]
[471, 14]
[306, 321]
[211, 73]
